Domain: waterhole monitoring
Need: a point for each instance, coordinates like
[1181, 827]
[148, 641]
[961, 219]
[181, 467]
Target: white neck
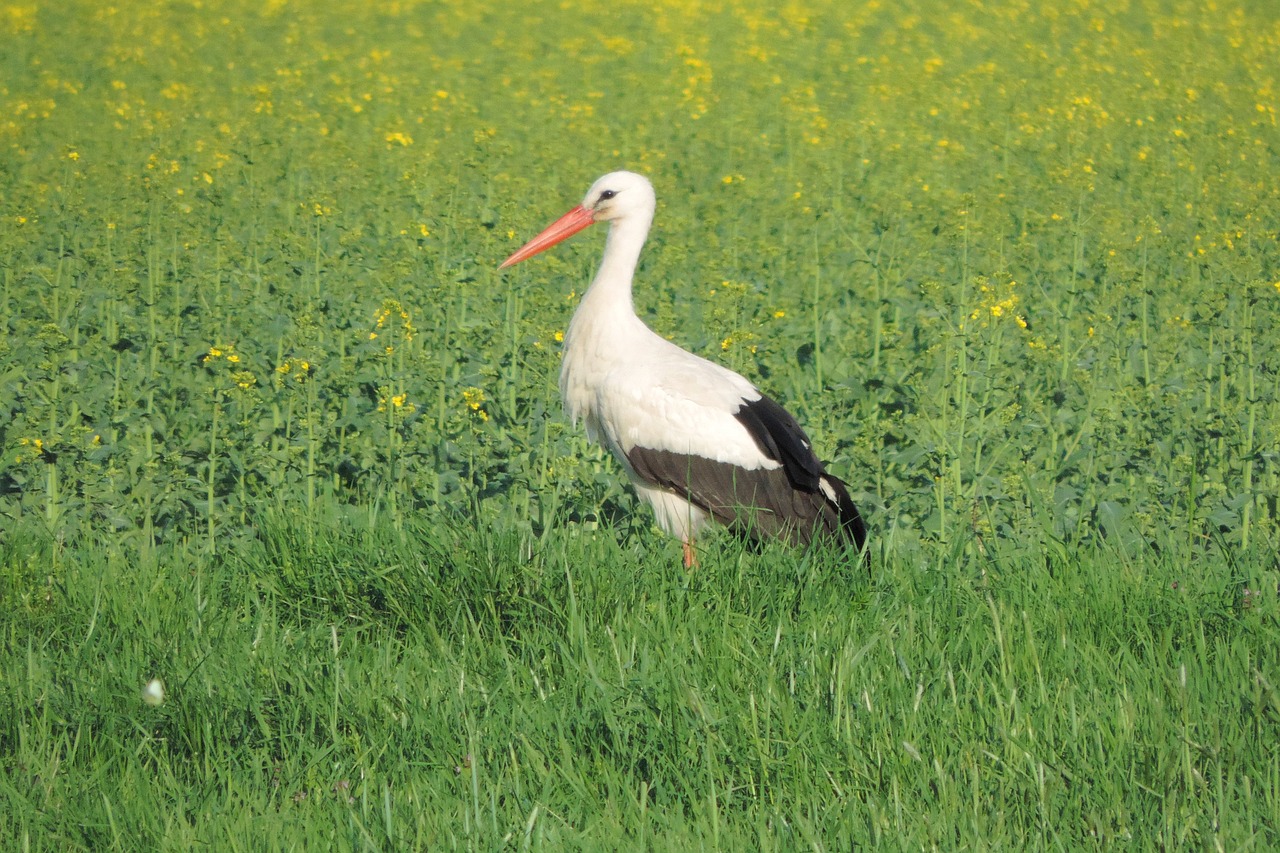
[605, 329]
[610, 291]
[606, 309]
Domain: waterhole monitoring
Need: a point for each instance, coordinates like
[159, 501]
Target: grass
[435, 687]
[274, 430]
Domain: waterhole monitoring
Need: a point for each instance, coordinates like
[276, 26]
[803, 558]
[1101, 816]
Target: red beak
[562, 229]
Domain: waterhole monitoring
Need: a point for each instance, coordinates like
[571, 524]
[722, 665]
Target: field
[275, 431]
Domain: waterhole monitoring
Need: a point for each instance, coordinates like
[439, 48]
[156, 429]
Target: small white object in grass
[153, 693]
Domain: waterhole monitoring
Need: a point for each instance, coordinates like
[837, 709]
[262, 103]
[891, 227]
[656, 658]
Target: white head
[619, 195]
[617, 198]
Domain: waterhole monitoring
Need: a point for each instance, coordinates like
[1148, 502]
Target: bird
[699, 442]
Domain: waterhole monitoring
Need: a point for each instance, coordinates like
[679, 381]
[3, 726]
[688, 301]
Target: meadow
[275, 431]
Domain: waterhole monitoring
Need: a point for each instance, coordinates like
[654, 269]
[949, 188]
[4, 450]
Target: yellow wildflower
[473, 398]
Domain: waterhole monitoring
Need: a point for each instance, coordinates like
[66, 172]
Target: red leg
[690, 558]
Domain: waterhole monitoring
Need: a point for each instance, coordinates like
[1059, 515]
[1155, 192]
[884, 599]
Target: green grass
[274, 430]
[439, 687]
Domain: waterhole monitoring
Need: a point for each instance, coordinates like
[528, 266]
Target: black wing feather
[782, 439]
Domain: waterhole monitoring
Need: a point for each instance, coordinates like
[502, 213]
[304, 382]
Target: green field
[275, 430]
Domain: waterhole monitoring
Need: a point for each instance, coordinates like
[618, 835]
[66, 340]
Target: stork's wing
[779, 491]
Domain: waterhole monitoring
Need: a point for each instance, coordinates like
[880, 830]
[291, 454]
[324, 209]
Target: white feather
[675, 515]
[663, 398]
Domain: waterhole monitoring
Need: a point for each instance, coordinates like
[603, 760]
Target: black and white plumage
[698, 441]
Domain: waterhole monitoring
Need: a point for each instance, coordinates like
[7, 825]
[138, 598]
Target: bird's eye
[607, 194]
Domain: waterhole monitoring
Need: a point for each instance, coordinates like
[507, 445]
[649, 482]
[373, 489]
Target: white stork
[698, 441]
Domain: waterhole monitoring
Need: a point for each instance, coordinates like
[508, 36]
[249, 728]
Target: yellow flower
[992, 305]
[473, 398]
[300, 369]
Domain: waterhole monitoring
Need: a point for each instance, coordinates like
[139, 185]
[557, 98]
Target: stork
[698, 441]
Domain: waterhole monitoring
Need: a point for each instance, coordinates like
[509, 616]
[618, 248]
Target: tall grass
[442, 686]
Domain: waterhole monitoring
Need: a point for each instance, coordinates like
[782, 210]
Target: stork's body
[698, 441]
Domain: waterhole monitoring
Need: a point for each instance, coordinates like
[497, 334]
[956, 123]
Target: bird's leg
[690, 558]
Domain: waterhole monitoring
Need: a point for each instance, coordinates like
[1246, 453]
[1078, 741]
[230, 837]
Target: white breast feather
[671, 400]
[632, 387]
